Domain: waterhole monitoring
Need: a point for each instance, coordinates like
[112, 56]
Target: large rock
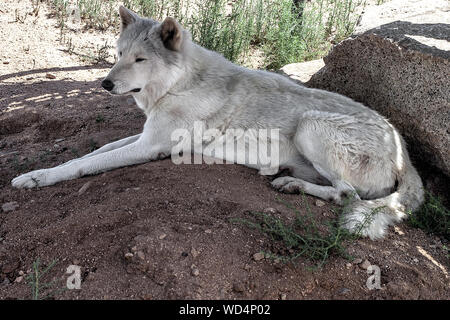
[401, 69]
[301, 72]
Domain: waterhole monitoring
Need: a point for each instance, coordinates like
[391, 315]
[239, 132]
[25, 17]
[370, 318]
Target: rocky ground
[157, 230]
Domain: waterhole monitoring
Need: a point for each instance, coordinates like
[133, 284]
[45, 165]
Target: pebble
[10, 206]
[258, 256]
[84, 188]
[348, 265]
[194, 253]
[128, 255]
[238, 287]
[10, 267]
[19, 279]
[270, 210]
[283, 296]
[208, 231]
[319, 203]
[195, 272]
[50, 76]
[59, 140]
[5, 62]
[141, 255]
[161, 237]
[344, 291]
[365, 265]
[398, 231]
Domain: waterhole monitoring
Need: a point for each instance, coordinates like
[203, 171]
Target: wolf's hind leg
[335, 193]
[347, 151]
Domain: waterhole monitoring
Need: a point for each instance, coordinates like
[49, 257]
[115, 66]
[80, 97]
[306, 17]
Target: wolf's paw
[37, 178]
[287, 185]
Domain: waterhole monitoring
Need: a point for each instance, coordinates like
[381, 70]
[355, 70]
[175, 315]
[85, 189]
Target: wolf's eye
[140, 59]
[120, 53]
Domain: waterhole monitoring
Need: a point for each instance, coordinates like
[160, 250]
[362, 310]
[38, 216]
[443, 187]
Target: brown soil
[157, 230]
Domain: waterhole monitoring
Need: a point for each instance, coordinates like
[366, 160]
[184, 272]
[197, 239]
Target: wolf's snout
[107, 85]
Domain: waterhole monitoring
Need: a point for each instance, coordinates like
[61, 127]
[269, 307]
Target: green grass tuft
[35, 279]
[432, 217]
[303, 237]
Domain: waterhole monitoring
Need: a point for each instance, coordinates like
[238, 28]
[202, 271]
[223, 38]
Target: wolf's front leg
[139, 151]
[107, 147]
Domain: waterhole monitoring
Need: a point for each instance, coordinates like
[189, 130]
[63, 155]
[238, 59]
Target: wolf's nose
[107, 85]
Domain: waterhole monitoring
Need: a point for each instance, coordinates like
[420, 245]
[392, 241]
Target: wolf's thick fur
[334, 147]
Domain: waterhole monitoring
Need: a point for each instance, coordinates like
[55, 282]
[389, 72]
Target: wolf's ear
[127, 16]
[171, 34]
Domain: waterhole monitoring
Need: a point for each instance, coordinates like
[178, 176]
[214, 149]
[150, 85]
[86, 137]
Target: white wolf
[334, 147]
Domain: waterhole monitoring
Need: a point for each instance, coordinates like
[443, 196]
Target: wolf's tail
[372, 217]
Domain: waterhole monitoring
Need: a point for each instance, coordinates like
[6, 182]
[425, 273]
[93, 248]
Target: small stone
[29, 78]
[84, 188]
[194, 253]
[50, 76]
[238, 287]
[129, 255]
[258, 256]
[195, 272]
[319, 203]
[357, 261]
[10, 267]
[5, 62]
[19, 279]
[161, 237]
[365, 265]
[59, 140]
[208, 231]
[344, 291]
[10, 206]
[348, 265]
[398, 231]
[76, 262]
[283, 296]
[21, 273]
[270, 210]
[134, 249]
[141, 255]
[416, 260]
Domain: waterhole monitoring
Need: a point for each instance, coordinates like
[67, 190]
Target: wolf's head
[150, 56]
